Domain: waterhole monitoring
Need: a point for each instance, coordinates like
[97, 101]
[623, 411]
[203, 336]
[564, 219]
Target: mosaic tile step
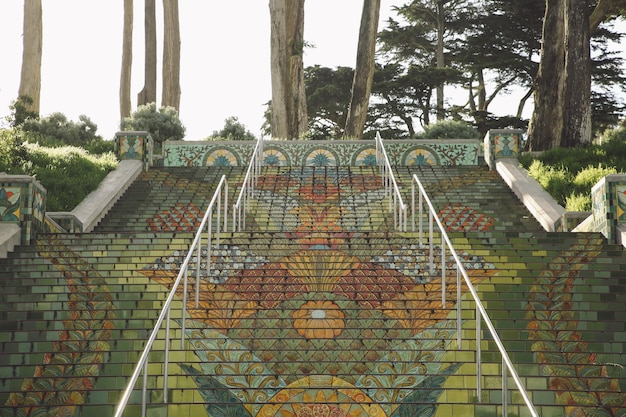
[274, 291]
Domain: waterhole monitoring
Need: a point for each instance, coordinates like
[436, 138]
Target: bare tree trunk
[171, 55]
[603, 10]
[441, 63]
[149, 92]
[364, 70]
[30, 79]
[562, 114]
[577, 95]
[127, 60]
[288, 112]
[546, 123]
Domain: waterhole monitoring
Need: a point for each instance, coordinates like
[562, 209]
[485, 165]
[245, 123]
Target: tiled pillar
[23, 202]
[502, 143]
[608, 199]
[135, 145]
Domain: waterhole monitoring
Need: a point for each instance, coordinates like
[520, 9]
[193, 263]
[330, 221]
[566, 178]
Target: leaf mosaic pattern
[62, 382]
[582, 384]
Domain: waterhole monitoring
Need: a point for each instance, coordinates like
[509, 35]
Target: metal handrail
[481, 313]
[396, 203]
[247, 188]
[142, 364]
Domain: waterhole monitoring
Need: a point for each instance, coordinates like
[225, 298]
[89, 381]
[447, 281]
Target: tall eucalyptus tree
[288, 107]
[364, 70]
[149, 92]
[171, 55]
[30, 78]
[127, 60]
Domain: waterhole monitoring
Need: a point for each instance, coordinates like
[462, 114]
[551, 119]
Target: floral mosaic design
[306, 325]
[421, 156]
[222, 157]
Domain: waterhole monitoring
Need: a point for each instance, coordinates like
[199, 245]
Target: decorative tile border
[502, 143]
[135, 145]
[608, 198]
[323, 153]
[23, 201]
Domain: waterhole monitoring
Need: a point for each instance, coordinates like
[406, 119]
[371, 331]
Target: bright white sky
[225, 69]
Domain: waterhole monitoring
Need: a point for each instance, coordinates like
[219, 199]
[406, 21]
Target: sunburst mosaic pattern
[327, 319]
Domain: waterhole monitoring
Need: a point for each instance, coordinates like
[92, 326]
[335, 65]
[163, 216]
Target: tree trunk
[149, 92]
[171, 55]
[546, 123]
[603, 10]
[30, 79]
[364, 70]
[577, 94]
[441, 62]
[127, 60]
[288, 111]
[562, 114]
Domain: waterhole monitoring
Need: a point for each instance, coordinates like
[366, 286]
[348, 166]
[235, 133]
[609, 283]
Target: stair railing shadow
[246, 193]
[217, 205]
[481, 313]
[396, 203]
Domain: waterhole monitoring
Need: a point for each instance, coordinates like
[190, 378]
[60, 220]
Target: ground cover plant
[568, 174]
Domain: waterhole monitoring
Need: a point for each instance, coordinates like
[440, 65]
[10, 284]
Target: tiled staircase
[319, 308]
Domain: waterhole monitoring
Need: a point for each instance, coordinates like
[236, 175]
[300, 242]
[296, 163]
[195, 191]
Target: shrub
[162, 124]
[57, 130]
[578, 202]
[556, 181]
[233, 130]
[449, 129]
[588, 177]
[13, 154]
[67, 173]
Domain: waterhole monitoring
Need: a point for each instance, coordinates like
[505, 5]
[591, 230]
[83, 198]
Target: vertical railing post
[431, 241]
[198, 262]
[166, 367]
[184, 318]
[458, 306]
[443, 272]
[478, 356]
[144, 390]
[505, 399]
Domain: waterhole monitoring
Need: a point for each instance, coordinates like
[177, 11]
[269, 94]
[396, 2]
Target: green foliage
[20, 111]
[13, 154]
[57, 130]
[68, 173]
[233, 130]
[449, 129]
[556, 181]
[327, 98]
[162, 124]
[568, 174]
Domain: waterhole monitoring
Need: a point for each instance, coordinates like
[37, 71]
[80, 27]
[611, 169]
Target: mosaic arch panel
[421, 155]
[222, 156]
[321, 157]
[274, 156]
[322, 153]
[366, 156]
